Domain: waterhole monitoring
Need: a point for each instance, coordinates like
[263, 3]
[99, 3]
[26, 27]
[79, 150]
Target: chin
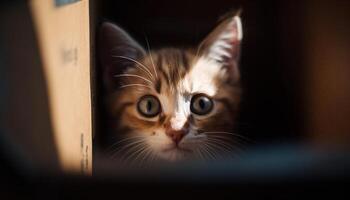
[174, 154]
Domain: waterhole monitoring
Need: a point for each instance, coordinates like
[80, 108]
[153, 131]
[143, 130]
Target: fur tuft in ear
[114, 44]
[223, 44]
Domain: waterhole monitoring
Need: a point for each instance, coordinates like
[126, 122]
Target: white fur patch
[201, 78]
[181, 112]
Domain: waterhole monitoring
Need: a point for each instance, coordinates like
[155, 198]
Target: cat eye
[201, 104]
[148, 106]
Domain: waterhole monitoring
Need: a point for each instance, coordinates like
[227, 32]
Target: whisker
[133, 75]
[132, 152]
[207, 149]
[147, 156]
[136, 84]
[228, 133]
[118, 146]
[217, 148]
[152, 157]
[131, 145]
[221, 142]
[121, 148]
[199, 153]
[124, 140]
[238, 141]
[202, 152]
[150, 55]
[143, 152]
[224, 148]
[143, 67]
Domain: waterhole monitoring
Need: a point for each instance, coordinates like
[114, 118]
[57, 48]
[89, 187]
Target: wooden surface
[64, 42]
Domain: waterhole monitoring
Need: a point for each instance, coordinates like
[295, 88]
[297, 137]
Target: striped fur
[174, 76]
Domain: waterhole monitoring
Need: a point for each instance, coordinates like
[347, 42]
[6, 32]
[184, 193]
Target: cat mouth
[177, 148]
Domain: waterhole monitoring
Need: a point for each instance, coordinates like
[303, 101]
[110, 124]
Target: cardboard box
[63, 33]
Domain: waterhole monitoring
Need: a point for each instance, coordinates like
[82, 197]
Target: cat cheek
[157, 145]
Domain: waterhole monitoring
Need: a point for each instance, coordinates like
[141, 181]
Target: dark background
[292, 93]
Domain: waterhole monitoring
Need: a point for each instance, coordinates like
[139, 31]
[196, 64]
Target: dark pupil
[202, 104]
[149, 106]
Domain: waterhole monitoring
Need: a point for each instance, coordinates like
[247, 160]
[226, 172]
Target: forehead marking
[158, 85]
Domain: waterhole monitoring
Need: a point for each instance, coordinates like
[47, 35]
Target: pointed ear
[223, 44]
[114, 43]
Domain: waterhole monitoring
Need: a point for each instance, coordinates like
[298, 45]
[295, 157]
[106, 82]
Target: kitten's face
[177, 104]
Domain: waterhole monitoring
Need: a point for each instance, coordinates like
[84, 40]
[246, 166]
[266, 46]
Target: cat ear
[114, 46]
[223, 44]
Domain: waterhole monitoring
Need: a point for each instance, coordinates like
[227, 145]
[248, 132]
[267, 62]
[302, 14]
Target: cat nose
[176, 135]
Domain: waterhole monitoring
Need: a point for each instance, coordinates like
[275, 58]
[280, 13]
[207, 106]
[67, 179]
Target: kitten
[172, 104]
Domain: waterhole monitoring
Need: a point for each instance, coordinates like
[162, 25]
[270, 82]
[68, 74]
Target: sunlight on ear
[238, 22]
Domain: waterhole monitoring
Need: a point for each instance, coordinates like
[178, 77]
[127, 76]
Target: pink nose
[176, 135]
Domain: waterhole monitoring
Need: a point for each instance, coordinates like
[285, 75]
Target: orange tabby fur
[174, 76]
